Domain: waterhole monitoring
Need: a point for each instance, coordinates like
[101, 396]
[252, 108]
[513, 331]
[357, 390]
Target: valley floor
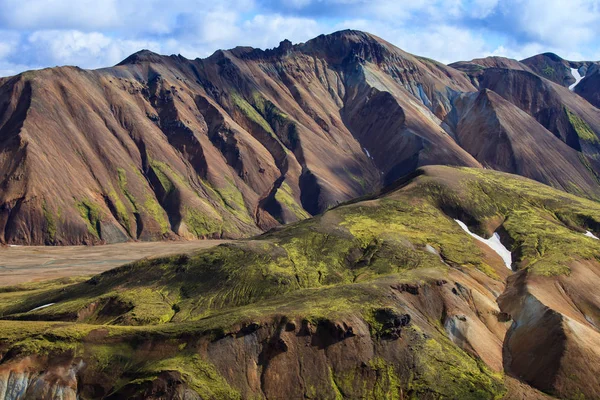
[21, 264]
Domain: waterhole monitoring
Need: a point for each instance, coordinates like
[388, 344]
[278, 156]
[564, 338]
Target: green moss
[533, 214]
[199, 374]
[122, 177]
[91, 214]
[269, 111]
[285, 197]
[250, 112]
[448, 371]
[159, 169]
[548, 70]
[201, 225]
[121, 210]
[50, 221]
[583, 130]
[231, 198]
[154, 209]
[358, 179]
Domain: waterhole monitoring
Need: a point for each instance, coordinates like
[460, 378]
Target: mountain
[589, 87]
[245, 140]
[556, 69]
[383, 297]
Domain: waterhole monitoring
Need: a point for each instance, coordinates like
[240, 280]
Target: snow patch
[431, 249]
[590, 234]
[577, 76]
[40, 307]
[493, 243]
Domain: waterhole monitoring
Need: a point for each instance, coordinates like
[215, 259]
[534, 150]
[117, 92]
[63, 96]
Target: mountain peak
[141, 56]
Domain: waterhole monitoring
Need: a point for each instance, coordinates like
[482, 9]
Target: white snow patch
[493, 243]
[431, 249]
[577, 76]
[44, 306]
[590, 234]
[367, 152]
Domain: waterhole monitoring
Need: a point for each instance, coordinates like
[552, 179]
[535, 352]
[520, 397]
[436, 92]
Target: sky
[98, 33]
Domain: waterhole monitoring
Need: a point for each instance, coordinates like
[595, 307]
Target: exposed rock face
[228, 146]
[32, 378]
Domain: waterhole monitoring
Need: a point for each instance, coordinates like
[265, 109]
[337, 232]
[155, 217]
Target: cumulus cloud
[95, 33]
[94, 49]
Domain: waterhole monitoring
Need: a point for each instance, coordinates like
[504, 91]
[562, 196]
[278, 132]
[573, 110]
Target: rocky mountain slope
[386, 297]
[164, 147]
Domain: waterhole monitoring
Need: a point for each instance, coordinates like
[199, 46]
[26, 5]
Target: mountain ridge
[162, 147]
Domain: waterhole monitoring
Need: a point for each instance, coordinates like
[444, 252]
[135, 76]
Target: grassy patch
[121, 210]
[50, 221]
[122, 177]
[91, 214]
[548, 70]
[250, 112]
[157, 213]
[201, 225]
[159, 169]
[583, 130]
[231, 198]
[285, 197]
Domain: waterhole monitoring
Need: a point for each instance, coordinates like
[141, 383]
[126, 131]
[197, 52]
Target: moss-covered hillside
[385, 297]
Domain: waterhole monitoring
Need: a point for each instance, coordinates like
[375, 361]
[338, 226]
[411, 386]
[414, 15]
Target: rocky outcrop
[35, 378]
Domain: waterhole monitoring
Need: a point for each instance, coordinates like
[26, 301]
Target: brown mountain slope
[166, 147]
[589, 87]
[161, 147]
[558, 109]
[503, 137]
[477, 66]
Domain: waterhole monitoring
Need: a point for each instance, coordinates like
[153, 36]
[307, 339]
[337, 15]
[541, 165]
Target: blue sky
[97, 33]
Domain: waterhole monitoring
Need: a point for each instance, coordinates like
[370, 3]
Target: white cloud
[443, 43]
[93, 49]
[267, 31]
[56, 14]
[94, 33]
[559, 23]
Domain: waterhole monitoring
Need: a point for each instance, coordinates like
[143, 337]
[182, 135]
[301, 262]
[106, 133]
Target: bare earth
[35, 263]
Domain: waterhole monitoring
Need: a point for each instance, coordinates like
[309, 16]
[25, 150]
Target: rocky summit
[401, 229]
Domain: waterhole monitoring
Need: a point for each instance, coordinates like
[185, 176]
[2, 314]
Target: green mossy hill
[339, 266]
[583, 130]
[127, 358]
[352, 243]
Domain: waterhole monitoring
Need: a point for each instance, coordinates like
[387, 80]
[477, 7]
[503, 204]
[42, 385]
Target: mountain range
[403, 229]
[229, 146]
